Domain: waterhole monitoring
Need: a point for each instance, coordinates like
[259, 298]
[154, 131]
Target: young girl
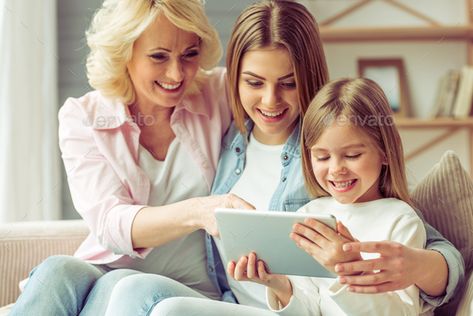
[353, 160]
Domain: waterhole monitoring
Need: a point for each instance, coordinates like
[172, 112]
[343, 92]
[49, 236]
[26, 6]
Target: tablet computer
[267, 234]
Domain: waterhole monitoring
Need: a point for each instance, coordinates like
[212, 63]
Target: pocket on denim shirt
[292, 205]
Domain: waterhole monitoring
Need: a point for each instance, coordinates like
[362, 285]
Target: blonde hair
[277, 23]
[118, 24]
[363, 104]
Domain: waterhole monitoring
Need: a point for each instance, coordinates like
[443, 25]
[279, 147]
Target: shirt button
[211, 269]
[237, 150]
[285, 157]
[237, 171]
[284, 179]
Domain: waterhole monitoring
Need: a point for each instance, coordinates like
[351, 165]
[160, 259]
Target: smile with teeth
[271, 114]
[342, 184]
[168, 86]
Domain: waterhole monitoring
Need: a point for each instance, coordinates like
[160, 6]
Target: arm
[108, 207]
[429, 269]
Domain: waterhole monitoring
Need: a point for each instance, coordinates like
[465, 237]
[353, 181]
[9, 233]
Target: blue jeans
[138, 294]
[64, 285]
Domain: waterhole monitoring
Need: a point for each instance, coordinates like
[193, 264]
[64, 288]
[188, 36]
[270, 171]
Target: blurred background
[42, 62]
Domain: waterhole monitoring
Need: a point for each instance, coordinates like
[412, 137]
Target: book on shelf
[463, 102]
[446, 94]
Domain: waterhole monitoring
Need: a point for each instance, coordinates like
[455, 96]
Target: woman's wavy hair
[118, 24]
[361, 103]
[277, 23]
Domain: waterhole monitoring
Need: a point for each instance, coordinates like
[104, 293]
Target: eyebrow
[168, 50]
[351, 146]
[262, 78]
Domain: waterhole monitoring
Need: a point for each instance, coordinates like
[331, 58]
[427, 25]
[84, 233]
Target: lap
[177, 306]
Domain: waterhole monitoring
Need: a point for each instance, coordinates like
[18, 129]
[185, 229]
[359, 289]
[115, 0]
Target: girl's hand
[323, 243]
[399, 266]
[249, 268]
[206, 206]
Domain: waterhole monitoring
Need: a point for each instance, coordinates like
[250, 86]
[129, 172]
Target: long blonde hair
[363, 104]
[118, 24]
[277, 23]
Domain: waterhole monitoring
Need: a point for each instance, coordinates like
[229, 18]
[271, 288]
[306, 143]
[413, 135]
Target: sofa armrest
[465, 308]
[24, 245]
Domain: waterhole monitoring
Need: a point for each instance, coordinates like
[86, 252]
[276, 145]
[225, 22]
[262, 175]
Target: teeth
[342, 184]
[271, 114]
[168, 86]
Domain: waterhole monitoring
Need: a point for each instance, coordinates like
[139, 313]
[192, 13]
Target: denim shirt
[289, 196]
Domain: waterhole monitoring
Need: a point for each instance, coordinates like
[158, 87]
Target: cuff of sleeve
[455, 275]
[118, 236]
[294, 307]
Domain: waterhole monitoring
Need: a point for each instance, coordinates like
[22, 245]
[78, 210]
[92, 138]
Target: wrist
[283, 291]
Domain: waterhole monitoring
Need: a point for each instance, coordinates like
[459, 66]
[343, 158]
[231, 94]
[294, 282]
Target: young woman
[275, 66]
[353, 161]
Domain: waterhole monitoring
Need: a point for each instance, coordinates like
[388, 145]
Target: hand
[249, 268]
[399, 267]
[323, 243]
[206, 209]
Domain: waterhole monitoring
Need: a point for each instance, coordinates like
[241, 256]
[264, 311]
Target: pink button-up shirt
[99, 143]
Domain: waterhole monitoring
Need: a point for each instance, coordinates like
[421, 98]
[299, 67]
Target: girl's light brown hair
[118, 24]
[363, 104]
[277, 23]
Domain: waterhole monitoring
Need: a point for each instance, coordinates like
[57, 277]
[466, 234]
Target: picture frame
[390, 74]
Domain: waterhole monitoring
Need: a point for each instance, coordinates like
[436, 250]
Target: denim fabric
[289, 196]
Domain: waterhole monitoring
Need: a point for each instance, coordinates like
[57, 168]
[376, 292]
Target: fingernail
[338, 268]
[350, 289]
[342, 280]
[346, 247]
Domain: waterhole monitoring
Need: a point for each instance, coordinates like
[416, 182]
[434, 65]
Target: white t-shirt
[184, 259]
[383, 219]
[256, 185]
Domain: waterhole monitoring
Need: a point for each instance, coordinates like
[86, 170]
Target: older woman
[140, 154]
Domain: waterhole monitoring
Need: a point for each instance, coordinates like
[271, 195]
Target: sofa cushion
[445, 197]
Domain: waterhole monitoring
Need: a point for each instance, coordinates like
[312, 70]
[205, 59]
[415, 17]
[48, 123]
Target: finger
[321, 228]
[240, 269]
[251, 266]
[305, 244]
[380, 288]
[343, 230]
[308, 233]
[369, 279]
[231, 268]
[385, 248]
[238, 202]
[368, 265]
[263, 275]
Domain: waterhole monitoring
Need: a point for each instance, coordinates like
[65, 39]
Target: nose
[175, 71]
[336, 167]
[270, 97]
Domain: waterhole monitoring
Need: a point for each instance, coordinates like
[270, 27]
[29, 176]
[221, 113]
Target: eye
[159, 56]
[355, 156]
[253, 83]
[322, 158]
[289, 84]
[191, 54]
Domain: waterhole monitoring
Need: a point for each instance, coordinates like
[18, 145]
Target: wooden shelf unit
[427, 33]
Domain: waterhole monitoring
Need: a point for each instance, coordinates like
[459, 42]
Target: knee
[65, 268]
[144, 284]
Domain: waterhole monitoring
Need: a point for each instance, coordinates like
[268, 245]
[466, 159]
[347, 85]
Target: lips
[169, 86]
[343, 186]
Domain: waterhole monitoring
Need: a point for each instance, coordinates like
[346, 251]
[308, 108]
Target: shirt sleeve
[408, 230]
[98, 195]
[456, 266]
[305, 299]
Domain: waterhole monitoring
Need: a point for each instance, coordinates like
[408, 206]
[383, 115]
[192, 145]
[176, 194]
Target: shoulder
[315, 204]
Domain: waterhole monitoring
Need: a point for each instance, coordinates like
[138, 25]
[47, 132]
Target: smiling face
[347, 164]
[268, 93]
[164, 63]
